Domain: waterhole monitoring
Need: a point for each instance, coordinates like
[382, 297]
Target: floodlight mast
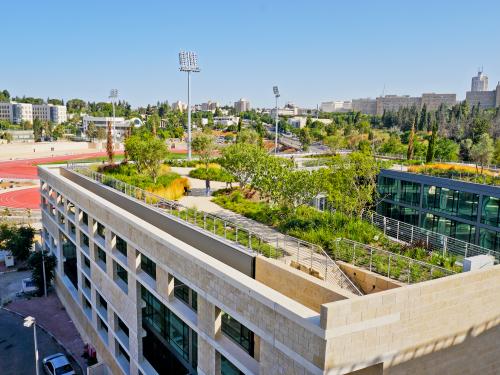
[188, 62]
[113, 94]
[277, 95]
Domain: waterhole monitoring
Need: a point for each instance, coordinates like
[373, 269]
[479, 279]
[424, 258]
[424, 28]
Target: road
[17, 354]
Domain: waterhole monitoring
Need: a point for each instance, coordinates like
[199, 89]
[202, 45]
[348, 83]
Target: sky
[313, 50]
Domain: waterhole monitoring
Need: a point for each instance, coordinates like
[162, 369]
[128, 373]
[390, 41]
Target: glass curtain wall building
[467, 211]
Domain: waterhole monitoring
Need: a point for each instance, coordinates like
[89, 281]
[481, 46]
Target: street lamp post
[188, 62]
[277, 95]
[113, 94]
[28, 322]
[44, 277]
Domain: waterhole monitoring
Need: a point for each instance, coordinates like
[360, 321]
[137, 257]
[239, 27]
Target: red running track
[25, 198]
[26, 169]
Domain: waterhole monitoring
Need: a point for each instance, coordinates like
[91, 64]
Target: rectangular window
[388, 188]
[100, 231]
[122, 326]
[101, 255]
[490, 212]
[84, 240]
[489, 239]
[410, 193]
[238, 333]
[186, 294]
[227, 368]
[85, 218]
[453, 202]
[121, 245]
[120, 276]
[148, 266]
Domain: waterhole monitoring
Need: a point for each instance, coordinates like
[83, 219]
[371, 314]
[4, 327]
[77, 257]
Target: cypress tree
[432, 143]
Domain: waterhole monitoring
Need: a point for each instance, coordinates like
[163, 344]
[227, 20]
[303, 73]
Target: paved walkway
[50, 314]
[300, 252]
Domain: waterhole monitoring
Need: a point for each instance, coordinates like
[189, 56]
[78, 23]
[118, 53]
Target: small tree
[148, 152]
[482, 151]
[241, 161]
[37, 129]
[204, 145]
[92, 131]
[36, 261]
[20, 241]
[334, 142]
[109, 144]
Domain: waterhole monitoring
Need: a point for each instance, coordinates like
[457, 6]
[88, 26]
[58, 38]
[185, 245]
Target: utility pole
[28, 322]
[277, 95]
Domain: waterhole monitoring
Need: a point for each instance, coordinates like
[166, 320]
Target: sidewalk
[51, 315]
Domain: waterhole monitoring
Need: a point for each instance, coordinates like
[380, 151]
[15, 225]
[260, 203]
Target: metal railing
[283, 247]
[395, 266]
[411, 234]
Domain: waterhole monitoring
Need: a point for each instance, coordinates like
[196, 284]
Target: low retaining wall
[369, 282]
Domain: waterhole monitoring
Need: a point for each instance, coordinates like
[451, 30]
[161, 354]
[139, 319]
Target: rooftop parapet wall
[392, 326]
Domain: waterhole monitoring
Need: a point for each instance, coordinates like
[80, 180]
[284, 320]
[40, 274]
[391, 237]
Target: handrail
[285, 247]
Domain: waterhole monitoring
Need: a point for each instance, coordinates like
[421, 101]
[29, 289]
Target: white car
[57, 364]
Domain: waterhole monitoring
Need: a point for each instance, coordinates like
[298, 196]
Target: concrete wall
[369, 282]
[443, 326]
[296, 284]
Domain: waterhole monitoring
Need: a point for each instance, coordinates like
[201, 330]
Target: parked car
[57, 364]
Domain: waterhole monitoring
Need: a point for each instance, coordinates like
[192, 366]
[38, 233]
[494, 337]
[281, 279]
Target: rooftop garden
[459, 172]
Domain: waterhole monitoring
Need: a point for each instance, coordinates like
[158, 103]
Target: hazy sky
[314, 50]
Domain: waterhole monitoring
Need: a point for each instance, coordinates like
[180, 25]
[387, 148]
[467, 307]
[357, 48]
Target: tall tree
[109, 144]
[482, 151]
[432, 143]
[411, 146]
[92, 131]
[40, 264]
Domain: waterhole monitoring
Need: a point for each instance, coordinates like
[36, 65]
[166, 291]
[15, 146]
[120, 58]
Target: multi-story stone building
[18, 112]
[336, 106]
[485, 99]
[479, 82]
[154, 294]
[395, 102]
[366, 105]
[241, 105]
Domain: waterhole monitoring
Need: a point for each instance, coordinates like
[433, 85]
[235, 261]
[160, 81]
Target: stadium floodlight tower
[277, 95]
[188, 62]
[113, 95]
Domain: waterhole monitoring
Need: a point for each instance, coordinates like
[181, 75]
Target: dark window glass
[238, 333]
[490, 211]
[100, 230]
[410, 193]
[123, 353]
[388, 188]
[102, 302]
[148, 266]
[181, 291]
[227, 368]
[86, 261]
[121, 273]
[121, 245]
[84, 239]
[101, 254]
[85, 218]
[122, 326]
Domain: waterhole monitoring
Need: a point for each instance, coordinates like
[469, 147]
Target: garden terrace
[463, 172]
[229, 234]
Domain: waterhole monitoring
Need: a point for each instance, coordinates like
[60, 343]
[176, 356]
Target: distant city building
[226, 120]
[179, 106]
[395, 102]
[119, 127]
[479, 82]
[209, 106]
[297, 122]
[241, 105]
[336, 106]
[485, 99]
[365, 105]
[19, 112]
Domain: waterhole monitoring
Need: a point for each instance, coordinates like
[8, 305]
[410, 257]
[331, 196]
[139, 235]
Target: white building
[297, 122]
[119, 127]
[336, 106]
[179, 106]
[241, 105]
[209, 106]
[18, 112]
[226, 120]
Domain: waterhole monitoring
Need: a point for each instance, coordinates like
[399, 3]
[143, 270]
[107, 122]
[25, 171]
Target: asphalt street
[17, 355]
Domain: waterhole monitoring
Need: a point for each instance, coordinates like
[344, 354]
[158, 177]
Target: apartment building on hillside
[155, 293]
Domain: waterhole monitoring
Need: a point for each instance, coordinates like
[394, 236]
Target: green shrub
[213, 174]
